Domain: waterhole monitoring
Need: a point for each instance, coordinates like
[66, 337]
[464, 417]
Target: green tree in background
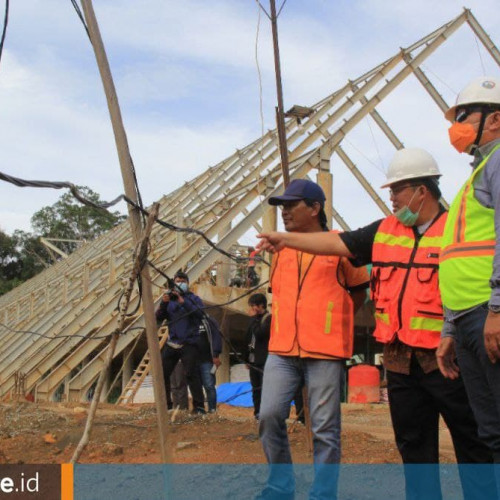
[69, 219]
[22, 255]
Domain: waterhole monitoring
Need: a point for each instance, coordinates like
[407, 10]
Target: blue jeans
[323, 379]
[208, 381]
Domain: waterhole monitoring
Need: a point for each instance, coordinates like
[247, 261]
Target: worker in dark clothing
[210, 345]
[257, 341]
[183, 311]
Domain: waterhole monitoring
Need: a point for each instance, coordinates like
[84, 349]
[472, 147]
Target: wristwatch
[494, 309]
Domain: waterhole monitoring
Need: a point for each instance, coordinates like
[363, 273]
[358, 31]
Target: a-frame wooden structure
[73, 303]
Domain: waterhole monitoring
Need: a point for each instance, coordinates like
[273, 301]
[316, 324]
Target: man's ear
[494, 121]
[316, 209]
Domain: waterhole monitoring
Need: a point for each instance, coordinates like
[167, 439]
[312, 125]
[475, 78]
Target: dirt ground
[48, 433]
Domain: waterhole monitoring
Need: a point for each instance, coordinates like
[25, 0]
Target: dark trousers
[481, 377]
[256, 378]
[177, 393]
[416, 401]
[190, 355]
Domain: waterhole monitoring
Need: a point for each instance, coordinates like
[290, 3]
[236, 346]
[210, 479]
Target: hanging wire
[375, 144]
[60, 185]
[57, 337]
[134, 174]
[281, 8]
[105, 205]
[428, 70]
[265, 11]
[172, 227]
[137, 191]
[479, 53]
[205, 308]
[4, 31]
[80, 15]
[261, 106]
[363, 155]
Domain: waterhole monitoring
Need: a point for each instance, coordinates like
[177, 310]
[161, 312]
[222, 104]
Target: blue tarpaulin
[235, 394]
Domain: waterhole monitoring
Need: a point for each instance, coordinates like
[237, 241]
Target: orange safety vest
[251, 258]
[404, 283]
[310, 306]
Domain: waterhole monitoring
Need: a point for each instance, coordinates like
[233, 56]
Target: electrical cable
[137, 191]
[364, 156]
[105, 205]
[82, 19]
[265, 11]
[172, 227]
[261, 107]
[51, 337]
[202, 309]
[375, 144]
[427, 69]
[480, 56]
[59, 185]
[236, 396]
[5, 22]
[139, 286]
[281, 8]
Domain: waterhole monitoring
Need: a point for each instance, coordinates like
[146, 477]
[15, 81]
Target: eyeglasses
[289, 205]
[394, 191]
[461, 114]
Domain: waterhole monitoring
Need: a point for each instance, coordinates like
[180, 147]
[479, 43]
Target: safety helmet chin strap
[485, 111]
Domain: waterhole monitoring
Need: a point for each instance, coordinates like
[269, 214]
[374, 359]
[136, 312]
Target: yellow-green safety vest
[467, 249]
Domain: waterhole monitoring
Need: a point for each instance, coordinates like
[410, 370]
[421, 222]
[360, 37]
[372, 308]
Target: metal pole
[280, 114]
[135, 223]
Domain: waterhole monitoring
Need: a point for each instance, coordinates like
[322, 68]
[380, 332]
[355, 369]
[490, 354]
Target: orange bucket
[363, 384]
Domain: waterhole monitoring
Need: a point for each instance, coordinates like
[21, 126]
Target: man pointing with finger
[404, 250]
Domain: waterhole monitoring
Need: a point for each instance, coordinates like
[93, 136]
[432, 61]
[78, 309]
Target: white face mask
[184, 287]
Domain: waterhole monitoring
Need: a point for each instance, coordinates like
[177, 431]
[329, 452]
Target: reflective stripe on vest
[316, 312]
[405, 284]
[468, 248]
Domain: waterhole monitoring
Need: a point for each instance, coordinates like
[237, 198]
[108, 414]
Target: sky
[186, 77]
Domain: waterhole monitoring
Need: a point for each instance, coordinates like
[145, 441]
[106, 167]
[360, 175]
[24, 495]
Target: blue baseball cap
[300, 189]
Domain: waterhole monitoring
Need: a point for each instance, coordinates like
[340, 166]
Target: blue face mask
[184, 287]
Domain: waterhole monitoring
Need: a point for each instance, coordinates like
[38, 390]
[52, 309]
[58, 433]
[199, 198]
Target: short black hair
[257, 299]
[431, 183]
[182, 275]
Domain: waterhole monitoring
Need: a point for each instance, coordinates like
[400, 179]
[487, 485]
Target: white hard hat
[411, 163]
[482, 90]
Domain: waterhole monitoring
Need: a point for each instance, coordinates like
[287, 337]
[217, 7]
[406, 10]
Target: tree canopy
[22, 255]
[69, 219]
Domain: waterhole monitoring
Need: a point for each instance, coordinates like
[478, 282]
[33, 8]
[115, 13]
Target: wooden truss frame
[73, 303]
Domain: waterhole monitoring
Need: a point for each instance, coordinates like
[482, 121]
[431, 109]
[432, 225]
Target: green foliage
[69, 219]
[9, 259]
[20, 259]
[22, 255]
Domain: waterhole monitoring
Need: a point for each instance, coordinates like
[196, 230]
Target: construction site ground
[48, 433]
